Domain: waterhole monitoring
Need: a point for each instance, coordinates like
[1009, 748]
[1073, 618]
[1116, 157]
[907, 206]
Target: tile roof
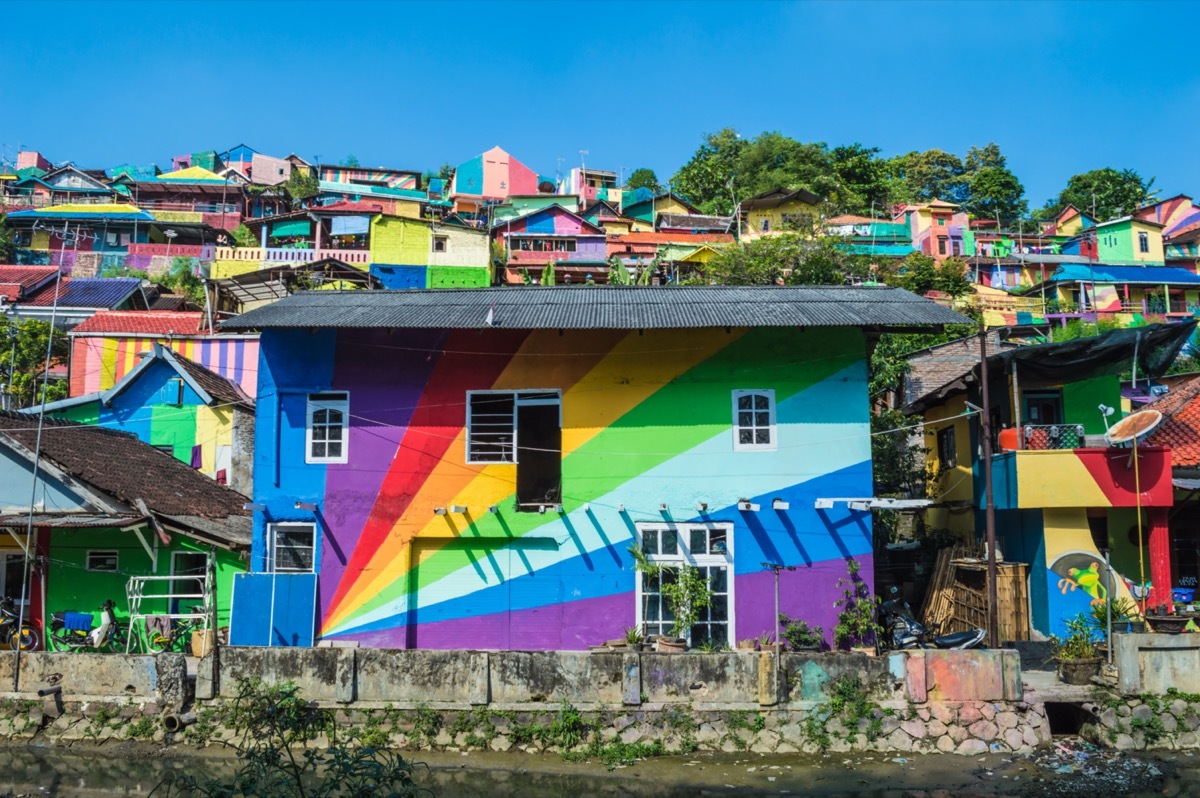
[122, 466]
[85, 292]
[1180, 428]
[143, 322]
[17, 280]
[602, 308]
[937, 366]
[219, 388]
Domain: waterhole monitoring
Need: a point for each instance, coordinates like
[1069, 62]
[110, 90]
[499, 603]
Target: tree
[8, 248]
[929, 175]
[993, 192]
[1103, 193]
[643, 178]
[182, 279]
[242, 236]
[708, 180]
[302, 185]
[786, 258]
[987, 156]
[350, 160]
[864, 187]
[30, 337]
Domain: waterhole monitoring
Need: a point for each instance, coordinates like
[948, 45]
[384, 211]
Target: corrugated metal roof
[1152, 275]
[602, 308]
[86, 292]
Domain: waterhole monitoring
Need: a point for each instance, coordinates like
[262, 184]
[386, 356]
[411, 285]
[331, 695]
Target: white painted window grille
[492, 422]
[291, 548]
[326, 435]
[708, 547]
[754, 420]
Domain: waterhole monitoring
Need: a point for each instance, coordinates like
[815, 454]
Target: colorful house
[936, 228]
[864, 235]
[552, 235]
[1061, 491]
[484, 490]
[193, 194]
[777, 211]
[62, 186]
[69, 301]
[111, 508]
[1129, 295]
[1180, 432]
[86, 235]
[648, 209]
[1130, 240]
[1176, 214]
[592, 185]
[1069, 222]
[490, 178]
[107, 346]
[180, 407]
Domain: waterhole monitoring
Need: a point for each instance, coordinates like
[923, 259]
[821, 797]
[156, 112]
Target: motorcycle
[72, 631]
[28, 639]
[902, 630]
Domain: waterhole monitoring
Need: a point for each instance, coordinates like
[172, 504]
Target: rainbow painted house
[470, 468]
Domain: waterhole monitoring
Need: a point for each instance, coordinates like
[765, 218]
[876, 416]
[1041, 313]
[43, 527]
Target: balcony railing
[203, 252]
[195, 207]
[288, 255]
[1054, 436]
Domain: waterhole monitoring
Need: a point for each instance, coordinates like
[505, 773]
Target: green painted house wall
[1082, 400]
[70, 586]
[395, 239]
[459, 277]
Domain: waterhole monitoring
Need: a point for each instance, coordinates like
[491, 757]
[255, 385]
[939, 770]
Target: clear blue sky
[1062, 87]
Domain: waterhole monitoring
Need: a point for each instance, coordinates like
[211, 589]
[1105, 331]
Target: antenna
[1132, 427]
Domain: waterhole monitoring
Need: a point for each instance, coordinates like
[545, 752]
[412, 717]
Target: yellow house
[777, 211]
[647, 211]
[1069, 222]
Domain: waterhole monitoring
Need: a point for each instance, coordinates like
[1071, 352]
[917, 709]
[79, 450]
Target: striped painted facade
[647, 425]
[98, 361]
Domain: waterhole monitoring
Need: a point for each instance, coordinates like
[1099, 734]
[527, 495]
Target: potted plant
[634, 639]
[799, 636]
[1076, 655]
[858, 611]
[686, 592]
[749, 644]
[1125, 615]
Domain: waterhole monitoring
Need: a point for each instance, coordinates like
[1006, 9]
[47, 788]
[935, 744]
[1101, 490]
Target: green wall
[70, 586]
[174, 426]
[1082, 400]
[459, 277]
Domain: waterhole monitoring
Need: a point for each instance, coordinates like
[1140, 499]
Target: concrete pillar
[631, 679]
[206, 676]
[346, 676]
[1160, 556]
[479, 691]
[264, 234]
[768, 686]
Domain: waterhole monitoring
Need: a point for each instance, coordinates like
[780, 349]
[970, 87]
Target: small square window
[292, 548]
[754, 420]
[102, 561]
[766, 225]
[440, 243]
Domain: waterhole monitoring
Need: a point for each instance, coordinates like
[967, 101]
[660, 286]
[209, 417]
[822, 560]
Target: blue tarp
[349, 225]
[77, 621]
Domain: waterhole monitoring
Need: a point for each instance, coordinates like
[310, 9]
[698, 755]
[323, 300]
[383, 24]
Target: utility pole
[990, 503]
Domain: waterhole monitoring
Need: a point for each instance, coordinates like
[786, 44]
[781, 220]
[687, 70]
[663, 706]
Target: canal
[1070, 769]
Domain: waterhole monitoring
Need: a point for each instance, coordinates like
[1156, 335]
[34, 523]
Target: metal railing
[1054, 436]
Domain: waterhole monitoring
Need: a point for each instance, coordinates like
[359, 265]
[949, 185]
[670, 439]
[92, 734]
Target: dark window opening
[539, 455]
[1042, 407]
[947, 448]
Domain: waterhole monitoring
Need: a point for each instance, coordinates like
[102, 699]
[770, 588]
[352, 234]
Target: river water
[1076, 771]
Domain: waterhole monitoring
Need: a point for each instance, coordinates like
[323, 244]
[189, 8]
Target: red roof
[672, 238]
[16, 280]
[1180, 428]
[850, 218]
[144, 322]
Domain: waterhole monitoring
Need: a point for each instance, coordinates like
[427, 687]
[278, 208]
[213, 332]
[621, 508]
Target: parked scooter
[901, 629]
[28, 639]
[72, 631]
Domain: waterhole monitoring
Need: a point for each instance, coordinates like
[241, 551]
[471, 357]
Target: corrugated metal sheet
[602, 308]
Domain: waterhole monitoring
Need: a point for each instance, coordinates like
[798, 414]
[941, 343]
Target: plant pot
[671, 645]
[1167, 624]
[747, 645]
[1078, 671]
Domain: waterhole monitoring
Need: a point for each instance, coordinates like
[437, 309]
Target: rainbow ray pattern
[647, 438]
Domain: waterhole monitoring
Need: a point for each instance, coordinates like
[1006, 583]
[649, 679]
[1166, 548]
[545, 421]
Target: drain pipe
[173, 722]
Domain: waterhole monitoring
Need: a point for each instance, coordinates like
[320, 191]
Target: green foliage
[633, 636]
[274, 728]
[1077, 328]
[686, 592]
[142, 728]
[242, 237]
[1103, 193]
[851, 703]
[643, 178]
[858, 609]
[933, 174]
[350, 160]
[24, 343]
[182, 279]
[1124, 609]
[8, 248]
[300, 185]
[787, 258]
[921, 273]
[1080, 642]
[711, 178]
[799, 635]
[993, 192]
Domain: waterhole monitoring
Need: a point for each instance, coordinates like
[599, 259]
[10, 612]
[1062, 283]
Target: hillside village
[402, 400]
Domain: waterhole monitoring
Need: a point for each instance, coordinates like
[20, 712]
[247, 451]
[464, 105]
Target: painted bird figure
[1088, 580]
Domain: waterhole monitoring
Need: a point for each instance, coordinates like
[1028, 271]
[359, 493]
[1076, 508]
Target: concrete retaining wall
[88, 675]
[1156, 663]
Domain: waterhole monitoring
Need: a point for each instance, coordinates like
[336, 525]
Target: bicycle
[181, 630]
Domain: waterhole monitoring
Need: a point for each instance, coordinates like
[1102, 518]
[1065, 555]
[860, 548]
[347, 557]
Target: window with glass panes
[325, 435]
[753, 420]
[707, 547]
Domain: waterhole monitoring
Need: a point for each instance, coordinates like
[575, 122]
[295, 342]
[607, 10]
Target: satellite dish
[1134, 426]
[546, 187]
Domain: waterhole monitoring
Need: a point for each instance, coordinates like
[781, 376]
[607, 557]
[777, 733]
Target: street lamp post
[171, 235]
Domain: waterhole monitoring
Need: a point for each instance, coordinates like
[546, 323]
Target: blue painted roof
[140, 216]
[87, 292]
[1152, 275]
[330, 187]
[899, 250]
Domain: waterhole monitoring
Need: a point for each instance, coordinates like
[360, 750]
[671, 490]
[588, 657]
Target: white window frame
[518, 403]
[312, 406]
[114, 553]
[772, 427]
[685, 556]
[272, 543]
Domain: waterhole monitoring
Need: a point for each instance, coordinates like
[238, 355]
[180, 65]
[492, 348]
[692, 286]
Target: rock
[631, 735]
[988, 711]
[969, 714]
[1179, 707]
[945, 745]
[935, 728]
[1169, 724]
[923, 714]
[983, 730]
[443, 739]
[942, 712]
[1191, 722]
[1030, 738]
[957, 734]
[972, 747]
[706, 733]
[1187, 740]
[1142, 712]
[1014, 739]
[899, 741]
[889, 724]
[623, 722]
[914, 728]
[1108, 718]
[1124, 711]
[500, 743]
[1036, 708]
[1007, 720]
